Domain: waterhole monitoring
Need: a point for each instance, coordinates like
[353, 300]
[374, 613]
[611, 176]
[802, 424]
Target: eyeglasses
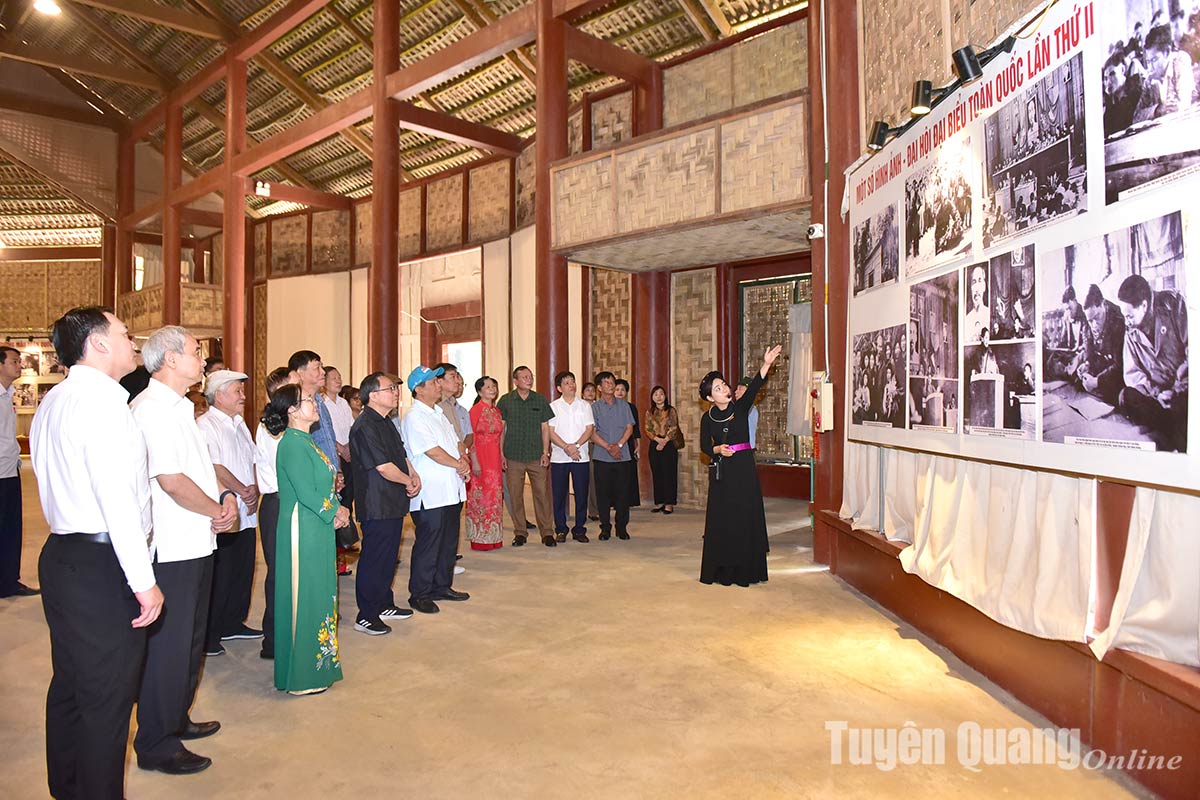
[393, 388]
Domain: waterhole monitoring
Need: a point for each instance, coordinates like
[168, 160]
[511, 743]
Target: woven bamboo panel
[23, 296]
[575, 133]
[735, 240]
[289, 246]
[610, 321]
[612, 120]
[142, 312]
[330, 241]
[769, 65]
[411, 217]
[72, 284]
[218, 259]
[764, 158]
[260, 252]
[583, 202]
[260, 369]
[693, 354]
[444, 213]
[981, 21]
[490, 199]
[202, 310]
[672, 180]
[906, 42]
[526, 176]
[765, 324]
[698, 88]
[364, 235]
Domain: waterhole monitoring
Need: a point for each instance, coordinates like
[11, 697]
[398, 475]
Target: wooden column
[126, 165]
[553, 349]
[233, 228]
[830, 278]
[171, 226]
[383, 291]
[108, 265]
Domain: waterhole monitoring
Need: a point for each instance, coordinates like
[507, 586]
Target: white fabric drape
[860, 486]
[1157, 607]
[799, 415]
[1015, 544]
[903, 482]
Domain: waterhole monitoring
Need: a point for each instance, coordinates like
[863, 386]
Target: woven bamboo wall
[490, 200]
[142, 312]
[444, 213]
[610, 323]
[330, 241]
[693, 353]
[33, 294]
[410, 223]
[289, 246]
[764, 313]
[583, 202]
[612, 120]
[364, 235]
[764, 158]
[525, 185]
[770, 65]
[260, 253]
[202, 309]
[260, 368]
[668, 181]
[218, 259]
[575, 133]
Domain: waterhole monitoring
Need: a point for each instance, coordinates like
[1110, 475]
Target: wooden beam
[198, 216]
[320, 125]
[309, 197]
[50, 253]
[571, 10]
[456, 129]
[550, 270]
[482, 16]
[700, 20]
[172, 310]
[715, 15]
[140, 216]
[126, 178]
[13, 101]
[608, 58]
[281, 22]
[193, 190]
[49, 57]
[157, 14]
[234, 219]
[383, 297]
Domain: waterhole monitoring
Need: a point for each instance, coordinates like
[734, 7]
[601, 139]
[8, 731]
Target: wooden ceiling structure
[129, 59]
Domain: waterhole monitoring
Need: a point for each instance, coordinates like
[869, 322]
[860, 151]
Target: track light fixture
[925, 97]
[880, 133]
[968, 65]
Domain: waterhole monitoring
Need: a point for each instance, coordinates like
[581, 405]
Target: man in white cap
[232, 452]
[433, 447]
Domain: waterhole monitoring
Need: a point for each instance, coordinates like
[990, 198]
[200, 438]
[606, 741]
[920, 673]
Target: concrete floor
[603, 670]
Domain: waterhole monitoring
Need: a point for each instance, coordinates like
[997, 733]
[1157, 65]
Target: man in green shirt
[525, 450]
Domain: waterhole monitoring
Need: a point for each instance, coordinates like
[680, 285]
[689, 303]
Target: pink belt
[742, 446]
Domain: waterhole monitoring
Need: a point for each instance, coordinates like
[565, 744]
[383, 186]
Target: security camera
[816, 231]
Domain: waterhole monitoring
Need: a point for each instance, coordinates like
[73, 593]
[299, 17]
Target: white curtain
[904, 485]
[860, 486]
[799, 418]
[1156, 611]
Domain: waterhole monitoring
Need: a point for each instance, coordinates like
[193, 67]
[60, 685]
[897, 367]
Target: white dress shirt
[90, 463]
[569, 422]
[174, 446]
[230, 446]
[10, 451]
[342, 416]
[423, 429]
[265, 448]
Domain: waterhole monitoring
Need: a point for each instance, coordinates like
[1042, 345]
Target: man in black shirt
[384, 480]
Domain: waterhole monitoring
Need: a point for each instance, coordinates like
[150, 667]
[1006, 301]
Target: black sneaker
[215, 650]
[243, 632]
[395, 612]
[622, 534]
[605, 536]
[371, 627]
[519, 540]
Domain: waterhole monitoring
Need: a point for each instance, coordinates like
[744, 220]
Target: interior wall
[523, 305]
[575, 326]
[359, 354]
[291, 326]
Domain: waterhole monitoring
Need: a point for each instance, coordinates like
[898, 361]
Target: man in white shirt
[570, 431]
[187, 513]
[433, 449]
[460, 418]
[95, 567]
[10, 481]
[232, 452]
[265, 447]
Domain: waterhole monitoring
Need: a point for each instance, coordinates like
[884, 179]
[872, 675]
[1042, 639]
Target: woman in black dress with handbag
[735, 525]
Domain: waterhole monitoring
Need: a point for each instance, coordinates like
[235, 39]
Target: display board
[1021, 257]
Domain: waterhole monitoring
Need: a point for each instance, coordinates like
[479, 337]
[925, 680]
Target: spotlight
[880, 133]
[966, 64]
[262, 188]
[47, 7]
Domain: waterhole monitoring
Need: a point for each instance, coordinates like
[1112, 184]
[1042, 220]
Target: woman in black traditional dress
[735, 525]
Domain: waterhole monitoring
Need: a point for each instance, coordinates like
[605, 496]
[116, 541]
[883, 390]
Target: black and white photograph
[1151, 104]
[30, 363]
[938, 205]
[1115, 339]
[977, 319]
[878, 369]
[876, 250]
[933, 354]
[50, 364]
[24, 395]
[1000, 389]
[1036, 155]
[43, 389]
[1011, 291]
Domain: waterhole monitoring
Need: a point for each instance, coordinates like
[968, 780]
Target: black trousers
[578, 475]
[612, 493]
[347, 536]
[268, 523]
[377, 566]
[664, 466]
[635, 487]
[233, 580]
[10, 534]
[97, 659]
[174, 651]
[434, 547]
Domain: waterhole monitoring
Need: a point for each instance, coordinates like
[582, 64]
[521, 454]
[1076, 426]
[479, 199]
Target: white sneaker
[459, 570]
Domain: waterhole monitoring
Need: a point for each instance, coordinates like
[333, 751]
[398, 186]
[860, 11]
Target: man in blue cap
[436, 509]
